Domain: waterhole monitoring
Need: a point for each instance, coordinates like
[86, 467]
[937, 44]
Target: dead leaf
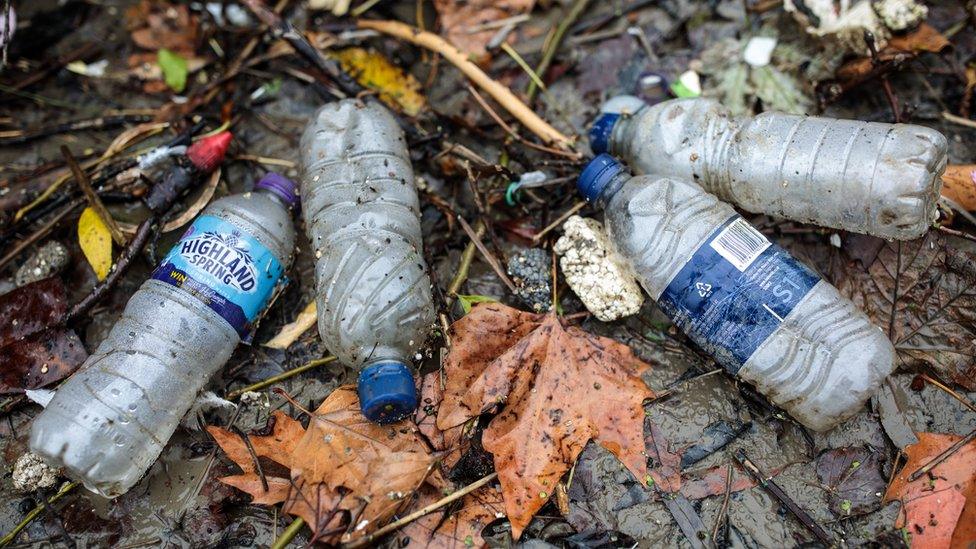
[922, 293]
[898, 50]
[40, 359]
[711, 482]
[95, 240]
[939, 508]
[852, 478]
[450, 441]
[346, 476]
[454, 527]
[31, 308]
[460, 21]
[398, 89]
[156, 25]
[923, 38]
[560, 388]
[959, 185]
[293, 330]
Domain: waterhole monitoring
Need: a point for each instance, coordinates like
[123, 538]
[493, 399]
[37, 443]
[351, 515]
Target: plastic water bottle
[865, 177]
[764, 316]
[109, 421]
[362, 215]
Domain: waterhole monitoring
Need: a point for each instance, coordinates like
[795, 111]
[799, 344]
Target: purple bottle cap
[280, 185]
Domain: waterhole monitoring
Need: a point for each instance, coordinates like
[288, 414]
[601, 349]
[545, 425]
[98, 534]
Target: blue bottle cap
[387, 392]
[281, 186]
[596, 175]
[601, 130]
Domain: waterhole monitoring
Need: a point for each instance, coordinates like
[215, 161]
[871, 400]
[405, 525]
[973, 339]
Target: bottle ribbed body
[362, 215]
[772, 322]
[110, 420]
[866, 177]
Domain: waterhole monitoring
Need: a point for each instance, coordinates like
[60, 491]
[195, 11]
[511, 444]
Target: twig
[16, 137]
[498, 92]
[959, 120]
[954, 232]
[96, 203]
[466, 257]
[289, 534]
[579, 6]
[5, 540]
[280, 377]
[725, 504]
[770, 486]
[40, 233]
[557, 222]
[965, 401]
[254, 456]
[491, 259]
[395, 525]
[942, 457]
[121, 266]
[511, 131]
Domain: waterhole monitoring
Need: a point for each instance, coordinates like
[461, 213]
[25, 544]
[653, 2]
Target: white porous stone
[595, 272]
[32, 473]
[843, 21]
[900, 15]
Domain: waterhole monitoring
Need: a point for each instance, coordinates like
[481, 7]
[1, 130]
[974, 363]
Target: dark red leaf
[40, 359]
[31, 308]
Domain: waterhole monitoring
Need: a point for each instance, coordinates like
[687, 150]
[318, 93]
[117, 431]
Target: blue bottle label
[225, 268]
[735, 291]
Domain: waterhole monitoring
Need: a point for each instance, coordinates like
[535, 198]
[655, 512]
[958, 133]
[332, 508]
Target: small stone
[252, 398]
[595, 272]
[32, 473]
[530, 272]
[900, 15]
[48, 260]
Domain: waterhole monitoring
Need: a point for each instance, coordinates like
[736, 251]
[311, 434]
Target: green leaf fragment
[175, 69]
[467, 301]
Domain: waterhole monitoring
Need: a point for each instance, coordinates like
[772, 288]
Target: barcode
[740, 244]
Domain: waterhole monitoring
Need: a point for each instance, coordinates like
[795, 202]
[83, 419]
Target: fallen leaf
[293, 330]
[711, 482]
[342, 466]
[95, 241]
[40, 359]
[559, 387]
[852, 478]
[157, 25]
[460, 21]
[450, 441]
[923, 38]
[174, 69]
[922, 293]
[468, 301]
[398, 89]
[938, 508]
[959, 185]
[898, 50]
[453, 527]
[31, 308]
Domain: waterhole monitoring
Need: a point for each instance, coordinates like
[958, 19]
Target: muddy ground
[181, 503]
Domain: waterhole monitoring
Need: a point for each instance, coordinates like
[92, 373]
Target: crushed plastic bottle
[764, 316]
[362, 215]
[109, 421]
[865, 177]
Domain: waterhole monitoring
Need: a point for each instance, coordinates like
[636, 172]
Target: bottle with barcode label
[362, 216]
[763, 315]
[865, 177]
[110, 420]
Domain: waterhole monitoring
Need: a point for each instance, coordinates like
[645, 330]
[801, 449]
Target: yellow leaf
[290, 332]
[371, 69]
[96, 242]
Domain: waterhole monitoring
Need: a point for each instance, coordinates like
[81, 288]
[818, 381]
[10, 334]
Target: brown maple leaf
[460, 20]
[346, 475]
[453, 527]
[923, 294]
[939, 508]
[560, 388]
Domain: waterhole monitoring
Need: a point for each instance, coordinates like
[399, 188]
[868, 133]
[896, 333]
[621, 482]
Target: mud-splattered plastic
[763, 315]
[362, 216]
[109, 421]
[866, 177]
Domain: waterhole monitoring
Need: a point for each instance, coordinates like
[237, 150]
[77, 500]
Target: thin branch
[553, 45]
[942, 457]
[280, 377]
[491, 259]
[92, 197]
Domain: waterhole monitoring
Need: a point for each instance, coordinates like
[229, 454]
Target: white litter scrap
[844, 21]
[900, 15]
[595, 272]
[759, 50]
[32, 473]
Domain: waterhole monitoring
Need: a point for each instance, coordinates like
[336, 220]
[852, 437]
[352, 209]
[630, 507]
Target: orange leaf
[928, 502]
[560, 387]
[445, 529]
[458, 18]
[924, 38]
[277, 447]
[959, 185]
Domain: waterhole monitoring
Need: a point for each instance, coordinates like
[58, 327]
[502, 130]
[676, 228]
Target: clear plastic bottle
[110, 420]
[762, 315]
[865, 177]
[362, 215]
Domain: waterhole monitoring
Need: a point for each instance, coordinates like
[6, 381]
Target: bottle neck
[274, 197]
[612, 187]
